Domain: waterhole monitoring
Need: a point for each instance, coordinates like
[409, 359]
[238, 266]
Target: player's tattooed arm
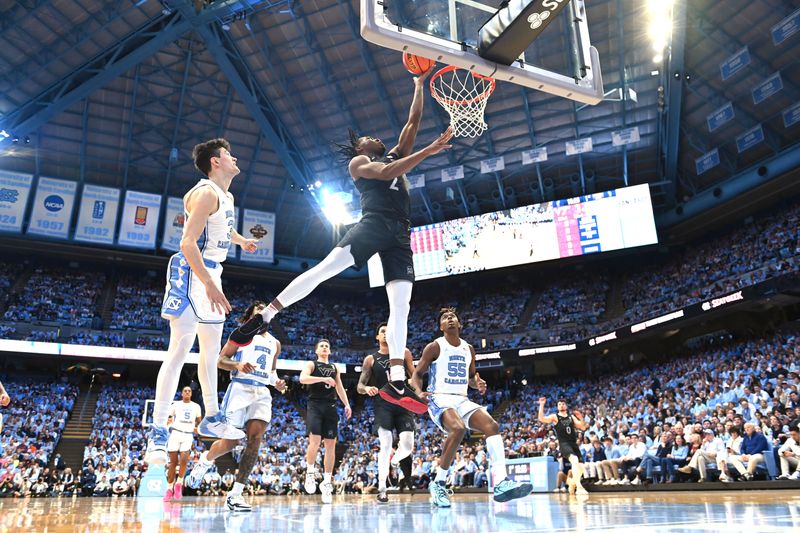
[366, 374]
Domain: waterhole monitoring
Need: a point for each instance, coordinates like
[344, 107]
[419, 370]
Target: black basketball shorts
[322, 419]
[393, 418]
[390, 239]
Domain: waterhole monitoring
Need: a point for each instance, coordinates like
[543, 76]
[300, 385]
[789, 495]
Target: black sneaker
[383, 498]
[244, 334]
[405, 396]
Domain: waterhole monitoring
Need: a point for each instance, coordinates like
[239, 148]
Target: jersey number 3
[393, 186]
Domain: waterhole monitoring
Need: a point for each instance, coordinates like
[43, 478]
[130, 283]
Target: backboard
[447, 31]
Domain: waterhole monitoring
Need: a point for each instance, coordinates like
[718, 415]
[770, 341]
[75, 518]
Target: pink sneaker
[168, 495]
[178, 492]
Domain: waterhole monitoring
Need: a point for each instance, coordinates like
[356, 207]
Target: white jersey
[184, 415]
[216, 237]
[449, 373]
[261, 354]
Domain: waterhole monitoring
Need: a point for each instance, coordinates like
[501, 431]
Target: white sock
[170, 485]
[405, 446]
[237, 489]
[204, 459]
[497, 457]
[337, 261]
[182, 331]
[209, 336]
[441, 475]
[269, 313]
[385, 438]
[399, 294]
[326, 477]
[310, 468]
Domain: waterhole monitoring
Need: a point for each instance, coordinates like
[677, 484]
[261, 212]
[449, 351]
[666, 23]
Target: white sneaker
[626, 481]
[198, 472]
[724, 479]
[311, 483]
[327, 491]
[795, 476]
[237, 503]
[581, 491]
[636, 481]
[217, 426]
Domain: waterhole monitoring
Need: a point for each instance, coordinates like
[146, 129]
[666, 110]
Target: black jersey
[380, 370]
[387, 198]
[565, 429]
[322, 391]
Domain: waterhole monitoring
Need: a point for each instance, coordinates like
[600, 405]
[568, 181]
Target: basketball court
[762, 511]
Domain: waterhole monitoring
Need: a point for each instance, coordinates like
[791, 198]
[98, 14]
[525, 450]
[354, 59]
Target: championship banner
[14, 190]
[537, 155]
[139, 220]
[579, 146]
[416, 181]
[259, 225]
[493, 165]
[173, 225]
[97, 216]
[52, 208]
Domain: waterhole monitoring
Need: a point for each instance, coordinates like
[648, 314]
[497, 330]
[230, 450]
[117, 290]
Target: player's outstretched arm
[545, 419]
[362, 167]
[429, 355]
[405, 143]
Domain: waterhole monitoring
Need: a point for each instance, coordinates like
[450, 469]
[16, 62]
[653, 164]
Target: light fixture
[317, 184]
[658, 59]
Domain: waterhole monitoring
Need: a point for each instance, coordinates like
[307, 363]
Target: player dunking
[184, 416]
[194, 303]
[388, 417]
[452, 369]
[322, 420]
[247, 404]
[383, 229]
[565, 425]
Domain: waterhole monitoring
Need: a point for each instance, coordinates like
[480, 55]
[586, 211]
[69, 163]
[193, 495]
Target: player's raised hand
[245, 368]
[217, 299]
[542, 401]
[420, 80]
[250, 245]
[5, 399]
[348, 412]
[441, 142]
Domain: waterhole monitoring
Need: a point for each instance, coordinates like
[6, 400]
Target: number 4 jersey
[260, 353]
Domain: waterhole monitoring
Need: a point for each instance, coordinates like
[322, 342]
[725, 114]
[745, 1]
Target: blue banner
[786, 28]
[173, 225]
[750, 138]
[791, 115]
[52, 208]
[97, 217]
[735, 63]
[767, 88]
[719, 117]
[14, 190]
[707, 161]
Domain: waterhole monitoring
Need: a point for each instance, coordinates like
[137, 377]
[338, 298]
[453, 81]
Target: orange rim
[448, 101]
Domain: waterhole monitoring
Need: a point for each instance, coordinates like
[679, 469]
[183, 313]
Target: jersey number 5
[393, 186]
[457, 370]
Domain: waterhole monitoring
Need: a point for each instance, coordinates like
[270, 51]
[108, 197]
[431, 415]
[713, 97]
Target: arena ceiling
[117, 92]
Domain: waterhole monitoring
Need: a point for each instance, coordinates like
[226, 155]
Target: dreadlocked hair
[347, 151]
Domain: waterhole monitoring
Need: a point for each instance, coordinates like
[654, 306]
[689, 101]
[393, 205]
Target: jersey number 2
[393, 186]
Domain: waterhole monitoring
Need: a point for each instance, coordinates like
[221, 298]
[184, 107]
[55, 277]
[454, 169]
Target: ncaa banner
[173, 224]
[139, 220]
[97, 216]
[14, 190]
[52, 208]
[259, 225]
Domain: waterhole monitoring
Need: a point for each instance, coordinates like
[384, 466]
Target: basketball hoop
[463, 94]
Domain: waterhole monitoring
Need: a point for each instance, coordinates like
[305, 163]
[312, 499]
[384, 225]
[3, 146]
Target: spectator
[707, 454]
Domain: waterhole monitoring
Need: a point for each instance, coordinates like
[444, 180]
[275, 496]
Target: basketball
[417, 65]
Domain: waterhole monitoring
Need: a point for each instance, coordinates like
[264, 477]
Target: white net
[464, 95]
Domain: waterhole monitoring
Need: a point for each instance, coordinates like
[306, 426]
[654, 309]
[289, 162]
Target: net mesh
[463, 94]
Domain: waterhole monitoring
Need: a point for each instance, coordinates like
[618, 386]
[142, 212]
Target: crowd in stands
[137, 302]
[32, 427]
[152, 342]
[57, 295]
[97, 338]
